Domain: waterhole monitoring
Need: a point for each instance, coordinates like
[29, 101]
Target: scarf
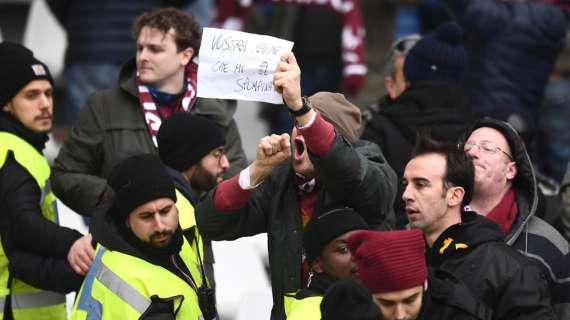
[232, 14]
[505, 212]
[150, 110]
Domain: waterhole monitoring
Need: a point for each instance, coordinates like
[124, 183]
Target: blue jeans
[81, 80]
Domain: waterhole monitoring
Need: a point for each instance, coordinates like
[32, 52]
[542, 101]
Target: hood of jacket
[222, 114]
[525, 181]
[442, 107]
[459, 239]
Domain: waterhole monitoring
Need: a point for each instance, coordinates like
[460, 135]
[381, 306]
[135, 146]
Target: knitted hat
[343, 115]
[18, 67]
[389, 261]
[325, 228]
[136, 181]
[348, 300]
[184, 139]
[437, 57]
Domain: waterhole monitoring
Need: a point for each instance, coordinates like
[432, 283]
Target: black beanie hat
[348, 300]
[137, 180]
[437, 57]
[18, 67]
[184, 139]
[323, 229]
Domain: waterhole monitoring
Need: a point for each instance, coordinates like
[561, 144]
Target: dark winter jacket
[529, 234]
[36, 248]
[473, 274]
[112, 124]
[442, 108]
[512, 47]
[358, 177]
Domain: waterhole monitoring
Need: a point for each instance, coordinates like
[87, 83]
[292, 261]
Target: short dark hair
[187, 31]
[459, 170]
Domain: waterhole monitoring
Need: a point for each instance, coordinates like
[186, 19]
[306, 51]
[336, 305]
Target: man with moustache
[40, 261]
[144, 268]
[330, 168]
[473, 274]
[192, 147]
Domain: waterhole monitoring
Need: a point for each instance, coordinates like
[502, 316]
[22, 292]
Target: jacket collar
[15, 127]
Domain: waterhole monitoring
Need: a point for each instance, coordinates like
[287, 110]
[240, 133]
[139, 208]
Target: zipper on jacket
[188, 278]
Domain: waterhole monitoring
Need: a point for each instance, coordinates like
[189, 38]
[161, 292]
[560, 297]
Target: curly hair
[187, 31]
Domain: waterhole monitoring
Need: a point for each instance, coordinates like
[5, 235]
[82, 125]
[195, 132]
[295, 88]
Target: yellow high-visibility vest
[29, 302]
[120, 286]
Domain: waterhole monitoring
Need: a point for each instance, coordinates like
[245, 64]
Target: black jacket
[442, 108]
[36, 248]
[358, 177]
[473, 274]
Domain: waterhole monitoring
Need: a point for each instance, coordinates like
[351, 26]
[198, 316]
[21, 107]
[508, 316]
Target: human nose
[406, 195]
[399, 313]
[143, 55]
[159, 222]
[473, 152]
[224, 162]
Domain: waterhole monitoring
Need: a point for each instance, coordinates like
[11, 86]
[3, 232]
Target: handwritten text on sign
[239, 65]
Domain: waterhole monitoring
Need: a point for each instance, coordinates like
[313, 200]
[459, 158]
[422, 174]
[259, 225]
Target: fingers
[286, 144]
[81, 255]
[270, 145]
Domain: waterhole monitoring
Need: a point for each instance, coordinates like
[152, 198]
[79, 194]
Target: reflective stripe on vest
[37, 300]
[2, 303]
[29, 302]
[121, 288]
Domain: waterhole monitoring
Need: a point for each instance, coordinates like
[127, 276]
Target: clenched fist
[271, 151]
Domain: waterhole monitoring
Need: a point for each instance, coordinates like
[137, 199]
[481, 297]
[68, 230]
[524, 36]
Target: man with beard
[144, 268]
[193, 149]
[326, 251]
[40, 261]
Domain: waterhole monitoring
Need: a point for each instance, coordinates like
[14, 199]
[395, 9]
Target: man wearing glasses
[506, 192]
[192, 147]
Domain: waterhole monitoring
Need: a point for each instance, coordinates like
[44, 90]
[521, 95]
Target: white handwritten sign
[239, 65]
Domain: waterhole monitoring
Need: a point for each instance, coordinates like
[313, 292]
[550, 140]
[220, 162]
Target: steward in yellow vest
[193, 149]
[36, 255]
[327, 255]
[144, 267]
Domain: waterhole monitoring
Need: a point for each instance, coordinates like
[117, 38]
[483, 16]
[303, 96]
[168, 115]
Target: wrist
[305, 107]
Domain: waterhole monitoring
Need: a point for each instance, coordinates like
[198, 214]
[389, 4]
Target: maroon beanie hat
[389, 261]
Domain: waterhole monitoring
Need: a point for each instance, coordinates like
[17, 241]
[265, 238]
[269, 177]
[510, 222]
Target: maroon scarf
[150, 110]
[505, 212]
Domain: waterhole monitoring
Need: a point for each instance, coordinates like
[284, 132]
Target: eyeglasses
[485, 146]
[218, 154]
